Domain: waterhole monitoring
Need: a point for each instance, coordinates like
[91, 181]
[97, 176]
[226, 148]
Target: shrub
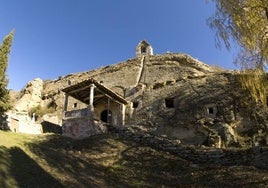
[40, 111]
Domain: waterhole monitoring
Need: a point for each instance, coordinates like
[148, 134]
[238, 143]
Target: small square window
[135, 104]
[169, 103]
[75, 105]
[210, 110]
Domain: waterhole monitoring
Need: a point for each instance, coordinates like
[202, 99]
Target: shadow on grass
[72, 161]
[17, 169]
[146, 167]
[104, 161]
[6, 180]
[27, 172]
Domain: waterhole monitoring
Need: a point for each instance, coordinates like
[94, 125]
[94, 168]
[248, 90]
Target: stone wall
[82, 127]
[256, 156]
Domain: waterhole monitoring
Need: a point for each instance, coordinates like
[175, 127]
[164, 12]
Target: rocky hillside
[124, 78]
[170, 95]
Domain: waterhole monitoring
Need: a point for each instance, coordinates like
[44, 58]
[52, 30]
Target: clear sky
[57, 37]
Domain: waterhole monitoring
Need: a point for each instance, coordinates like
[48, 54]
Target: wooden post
[91, 101]
[65, 107]
[108, 111]
[123, 110]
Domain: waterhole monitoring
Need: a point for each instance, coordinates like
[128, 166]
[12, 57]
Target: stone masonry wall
[256, 156]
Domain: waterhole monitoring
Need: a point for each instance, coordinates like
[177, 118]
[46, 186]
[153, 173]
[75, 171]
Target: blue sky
[58, 37]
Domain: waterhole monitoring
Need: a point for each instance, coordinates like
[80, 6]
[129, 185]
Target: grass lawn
[103, 161]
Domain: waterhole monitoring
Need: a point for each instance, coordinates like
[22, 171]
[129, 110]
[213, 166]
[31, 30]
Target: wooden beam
[79, 89]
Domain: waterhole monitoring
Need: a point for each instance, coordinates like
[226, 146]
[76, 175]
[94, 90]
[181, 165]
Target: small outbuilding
[103, 107]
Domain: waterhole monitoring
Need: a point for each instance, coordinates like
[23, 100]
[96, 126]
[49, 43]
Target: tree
[5, 103]
[245, 22]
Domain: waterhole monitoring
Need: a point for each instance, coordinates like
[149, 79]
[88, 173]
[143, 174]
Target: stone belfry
[144, 48]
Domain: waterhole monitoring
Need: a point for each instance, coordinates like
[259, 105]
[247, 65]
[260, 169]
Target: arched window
[143, 49]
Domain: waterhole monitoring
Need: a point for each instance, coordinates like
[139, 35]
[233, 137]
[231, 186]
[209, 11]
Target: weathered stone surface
[31, 96]
[256, 156]
[73, 128]
[174, 95]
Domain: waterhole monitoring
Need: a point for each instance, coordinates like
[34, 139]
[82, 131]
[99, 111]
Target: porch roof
[81, 91]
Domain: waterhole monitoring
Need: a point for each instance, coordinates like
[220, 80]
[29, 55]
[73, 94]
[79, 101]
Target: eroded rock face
[174, 95]
[31, 96]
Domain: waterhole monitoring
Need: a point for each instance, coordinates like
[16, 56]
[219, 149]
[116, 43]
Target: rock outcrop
[171, 95]
[31, 96]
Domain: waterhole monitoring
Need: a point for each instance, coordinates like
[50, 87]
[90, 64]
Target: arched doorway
[106, 116]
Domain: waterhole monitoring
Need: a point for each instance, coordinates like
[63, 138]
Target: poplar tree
[5, 47]
[245, 23]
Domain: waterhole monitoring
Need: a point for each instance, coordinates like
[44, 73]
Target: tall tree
[245, 22]
[5, 47]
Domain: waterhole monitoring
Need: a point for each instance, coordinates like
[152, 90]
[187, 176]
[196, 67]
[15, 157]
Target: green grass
[104, 161]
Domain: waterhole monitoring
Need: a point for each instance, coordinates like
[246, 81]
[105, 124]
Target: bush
[40, 111]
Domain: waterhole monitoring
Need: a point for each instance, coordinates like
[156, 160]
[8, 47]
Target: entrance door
[106, 116]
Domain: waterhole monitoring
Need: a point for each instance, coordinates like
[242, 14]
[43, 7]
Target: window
[75, 105]
[143, 49]
[169, 103]
[135, 104]
[210, 110]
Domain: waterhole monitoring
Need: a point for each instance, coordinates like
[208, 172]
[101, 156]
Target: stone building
[14, 124]
[23, 124]
[144, 48]
[102, 106]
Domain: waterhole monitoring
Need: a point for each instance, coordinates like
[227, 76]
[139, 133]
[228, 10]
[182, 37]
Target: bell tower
[144, 48]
